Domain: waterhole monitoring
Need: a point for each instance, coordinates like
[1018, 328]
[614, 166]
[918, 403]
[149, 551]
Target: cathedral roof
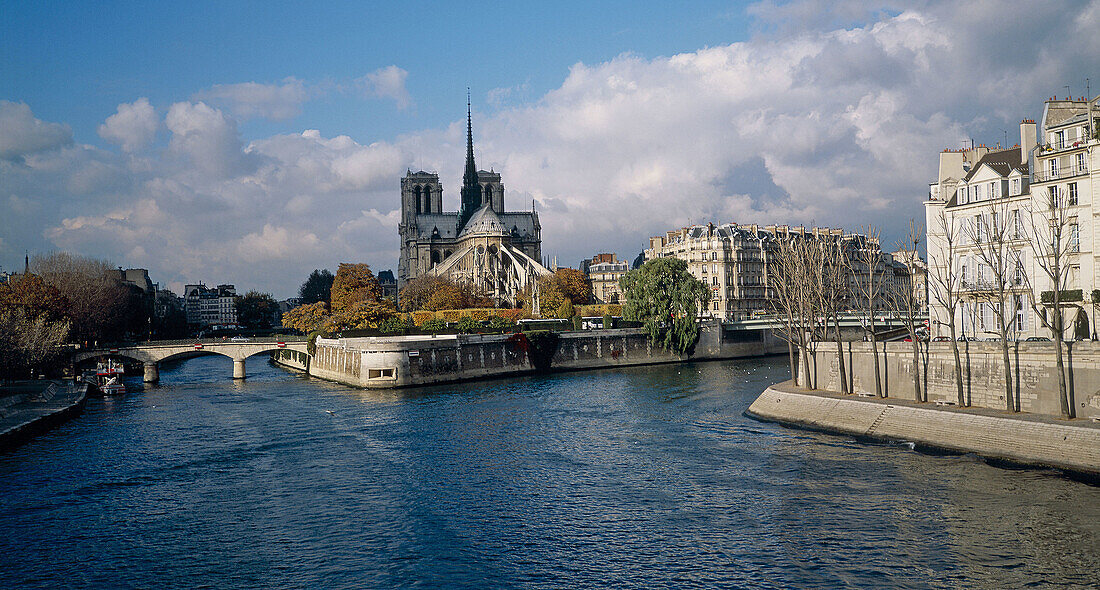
[484, 221]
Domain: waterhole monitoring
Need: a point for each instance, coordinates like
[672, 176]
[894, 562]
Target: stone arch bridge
[151, 354]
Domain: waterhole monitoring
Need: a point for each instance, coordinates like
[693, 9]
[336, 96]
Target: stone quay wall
[1034, 375]
[387, 362]
[1018, 438]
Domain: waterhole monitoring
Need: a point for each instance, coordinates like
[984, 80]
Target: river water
[644, 477]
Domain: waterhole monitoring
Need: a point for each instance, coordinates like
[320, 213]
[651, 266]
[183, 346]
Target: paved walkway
[789, 387]
[30, 407]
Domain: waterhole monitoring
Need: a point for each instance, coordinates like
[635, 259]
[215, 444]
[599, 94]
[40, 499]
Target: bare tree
[944, 284]
[834, 295]
[866, 267]
[1052, 243]
[990, 234]
[98, 304]
[903, 300]
[784, 280]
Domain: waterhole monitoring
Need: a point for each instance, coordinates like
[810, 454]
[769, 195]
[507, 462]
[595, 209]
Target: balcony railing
[1047, 176]
[1061, 146]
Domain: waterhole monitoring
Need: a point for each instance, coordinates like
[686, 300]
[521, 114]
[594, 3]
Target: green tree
[256, 310]
[318, 287]
[666, 298]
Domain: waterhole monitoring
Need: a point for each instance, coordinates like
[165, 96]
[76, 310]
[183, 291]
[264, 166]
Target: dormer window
[1015, 186]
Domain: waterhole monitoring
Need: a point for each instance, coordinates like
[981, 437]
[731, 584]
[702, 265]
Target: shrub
[467, 325]
[577, 322]
[450, 315]
[565, 310]
[394, 325]
[433, 325]
[608, 321]
[498, 322]
[419, 317]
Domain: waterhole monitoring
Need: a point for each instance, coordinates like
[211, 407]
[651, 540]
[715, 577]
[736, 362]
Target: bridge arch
[153, 354]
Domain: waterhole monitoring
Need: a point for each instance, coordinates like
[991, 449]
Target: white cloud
[278, 101]
[834, 126]
[133, 126]
[23, 134]
[387, 82]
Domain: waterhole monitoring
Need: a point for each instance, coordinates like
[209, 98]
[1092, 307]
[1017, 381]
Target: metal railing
[203, 341]
[1068, 172]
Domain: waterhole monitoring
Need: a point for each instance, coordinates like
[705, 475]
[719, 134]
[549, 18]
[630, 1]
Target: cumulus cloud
[133, 126]
[23, 134]
[387, 82]
[837, 126]
[278, 101]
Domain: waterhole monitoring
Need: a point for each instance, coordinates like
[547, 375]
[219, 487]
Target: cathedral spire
[471, 188]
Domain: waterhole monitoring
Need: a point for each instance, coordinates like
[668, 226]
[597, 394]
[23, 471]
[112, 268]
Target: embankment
[422, 360]
[32, 407]
[1026, 439]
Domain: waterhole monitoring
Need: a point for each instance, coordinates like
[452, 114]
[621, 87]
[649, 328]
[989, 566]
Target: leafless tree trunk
[835, 294]
[905, 305]
[1051, 247]
[944, 284]
[992, 243]
[867, 268]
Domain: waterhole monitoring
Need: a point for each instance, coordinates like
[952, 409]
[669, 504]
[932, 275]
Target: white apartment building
[214, 307]
[983, 193]
[737, 261]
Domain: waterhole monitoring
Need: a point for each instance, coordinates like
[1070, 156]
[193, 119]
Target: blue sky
[76, 61]
[253, 142]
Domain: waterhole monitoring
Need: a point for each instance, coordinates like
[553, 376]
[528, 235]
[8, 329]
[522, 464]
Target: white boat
[108, 378]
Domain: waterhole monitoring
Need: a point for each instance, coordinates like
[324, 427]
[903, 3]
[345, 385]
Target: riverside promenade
[32, 407]
[1019, 438]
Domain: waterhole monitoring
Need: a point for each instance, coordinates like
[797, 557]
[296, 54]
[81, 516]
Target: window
[962, 271]
[1018, 275]
[994, 190]
[1021, 319]
[1055, 202]
[1017, 225]
[1071, 193]
[979, 229]
[1015, 186]
[1059, 139]
[1052, 168]
[1081, 163]
[714, 256]
[1074, 237]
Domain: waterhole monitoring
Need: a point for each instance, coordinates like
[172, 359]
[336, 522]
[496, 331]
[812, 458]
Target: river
[641, 477]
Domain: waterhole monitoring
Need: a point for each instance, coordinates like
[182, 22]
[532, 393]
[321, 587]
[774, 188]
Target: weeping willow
[667, 299]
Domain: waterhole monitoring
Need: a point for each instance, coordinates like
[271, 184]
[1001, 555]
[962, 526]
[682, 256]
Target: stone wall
[1030, 440]
[386, 362]
[1034, 380]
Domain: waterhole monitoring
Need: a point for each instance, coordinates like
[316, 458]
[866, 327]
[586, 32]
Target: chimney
[1027, 138]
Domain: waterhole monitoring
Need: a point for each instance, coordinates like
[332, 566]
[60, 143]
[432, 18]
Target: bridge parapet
[150, 354]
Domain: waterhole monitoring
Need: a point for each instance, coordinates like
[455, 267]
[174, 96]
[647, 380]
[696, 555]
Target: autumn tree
[573, 285]
[256, 310]
[30, 293]
[306, 318]
[318, 287]
[97, 304]
[29, 343]
[432, 293]
[353, 283]
[667, 299]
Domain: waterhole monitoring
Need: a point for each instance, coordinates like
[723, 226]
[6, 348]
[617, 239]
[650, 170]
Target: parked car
[1037, 339]
[941, 339]
[239, 339]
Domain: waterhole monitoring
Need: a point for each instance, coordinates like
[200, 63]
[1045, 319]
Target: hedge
[599, 310]
[455, 315]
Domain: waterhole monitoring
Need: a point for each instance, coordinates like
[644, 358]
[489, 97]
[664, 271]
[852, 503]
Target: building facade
[1001, 209]
[214, 307]
[495, 251]
[603, 272]
[738, 263]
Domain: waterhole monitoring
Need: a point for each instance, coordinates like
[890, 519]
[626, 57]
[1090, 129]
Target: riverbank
[1024, 439]
[31, 407]
[408, 361]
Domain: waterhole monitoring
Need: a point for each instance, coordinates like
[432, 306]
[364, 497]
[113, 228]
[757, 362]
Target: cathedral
[495, 251]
